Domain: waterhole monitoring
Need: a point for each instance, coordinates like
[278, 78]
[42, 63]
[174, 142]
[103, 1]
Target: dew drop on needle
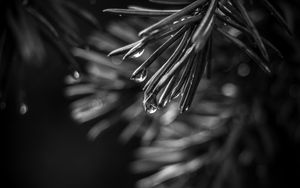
[76, 75]
[138, 54]
[150, 105]
[141, 76]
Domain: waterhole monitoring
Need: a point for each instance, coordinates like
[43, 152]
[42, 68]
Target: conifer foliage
[203, 67]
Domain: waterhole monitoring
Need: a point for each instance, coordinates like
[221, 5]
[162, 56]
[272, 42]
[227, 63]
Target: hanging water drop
[151, 109]
[150, 105]
[76, 75]
[141, 76]
[23, 109]
[175, 22]
[186, 108]
[138, 54]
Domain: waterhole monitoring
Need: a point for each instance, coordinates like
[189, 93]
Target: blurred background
[45, 148]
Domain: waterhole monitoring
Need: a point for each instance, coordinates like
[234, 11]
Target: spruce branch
[191, 28]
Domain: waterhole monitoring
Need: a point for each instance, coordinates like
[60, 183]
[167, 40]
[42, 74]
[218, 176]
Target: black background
[46, 149]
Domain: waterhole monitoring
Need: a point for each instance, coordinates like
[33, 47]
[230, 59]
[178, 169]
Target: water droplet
[151, 109]
[23, 109]
[76, 75]
[175, 22]
[141, 76]
[150, 105]
[138, 54]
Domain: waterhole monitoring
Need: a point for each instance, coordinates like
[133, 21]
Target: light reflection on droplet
[138, 54]
[23, 109]
[151, 109]
[76, 75]
[229, 90]
[141, 76]
[150, 105]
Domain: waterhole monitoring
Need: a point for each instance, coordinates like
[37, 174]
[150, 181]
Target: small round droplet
[141, 76]
[23, 109]
[138, 54]
[151, 109]
[76, 75]
[175, 22]
[150, 105]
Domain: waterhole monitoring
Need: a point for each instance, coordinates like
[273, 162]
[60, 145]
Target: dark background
[45, 148]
